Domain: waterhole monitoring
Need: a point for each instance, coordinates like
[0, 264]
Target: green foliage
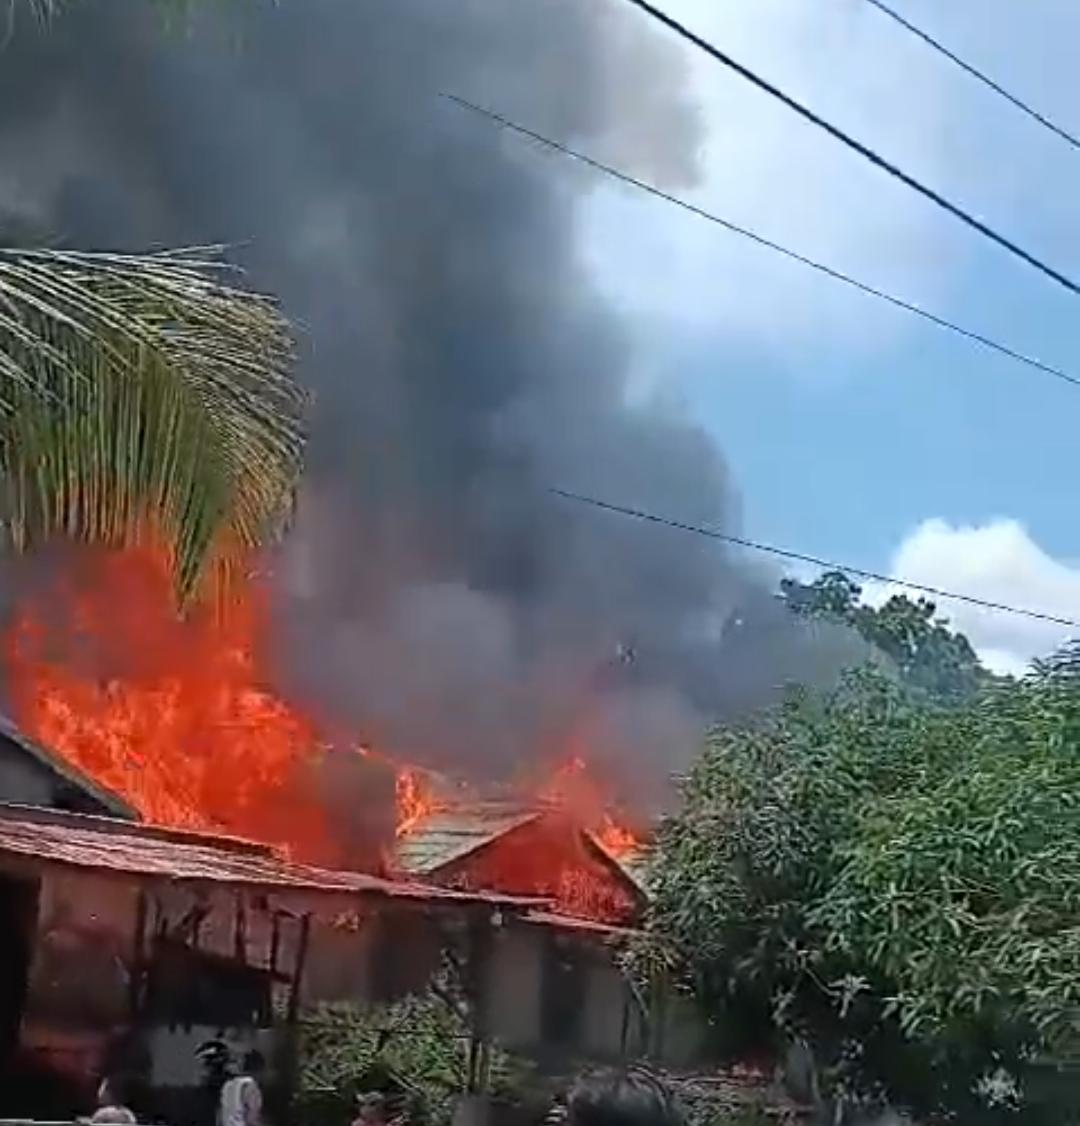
[897, 880]
[143, 393]
[419, 1040]
[141, 397]
[928, 655]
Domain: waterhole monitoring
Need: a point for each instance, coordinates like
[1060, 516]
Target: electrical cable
[802, 557]
[769, 244]
[863, 150]
[974, 72]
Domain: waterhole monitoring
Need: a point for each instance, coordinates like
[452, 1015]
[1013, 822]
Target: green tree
[927, 654]
[897, 881]
[143, 394]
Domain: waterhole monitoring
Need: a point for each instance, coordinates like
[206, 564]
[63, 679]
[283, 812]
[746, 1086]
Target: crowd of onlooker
[617, 1097]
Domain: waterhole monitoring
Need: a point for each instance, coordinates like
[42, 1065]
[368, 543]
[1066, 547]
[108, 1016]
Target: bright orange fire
[171, 713]
[616, 839]
[182, 722]
[575, 790]
[414, 800]
[178, 715]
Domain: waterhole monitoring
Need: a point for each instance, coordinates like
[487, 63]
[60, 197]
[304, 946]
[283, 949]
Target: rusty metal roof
[634, 864]
[449, 835]
[49, 837]
[575, 924]
[452, 834]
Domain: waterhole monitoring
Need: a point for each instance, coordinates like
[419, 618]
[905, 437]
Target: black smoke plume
[434, 597]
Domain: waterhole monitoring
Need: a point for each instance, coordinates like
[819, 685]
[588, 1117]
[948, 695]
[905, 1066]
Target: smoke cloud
[434, 597]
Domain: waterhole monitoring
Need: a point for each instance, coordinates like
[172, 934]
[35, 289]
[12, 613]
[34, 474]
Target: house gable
[30, 774]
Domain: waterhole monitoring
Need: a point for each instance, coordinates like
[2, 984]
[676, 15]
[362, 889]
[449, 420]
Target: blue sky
[853, 430]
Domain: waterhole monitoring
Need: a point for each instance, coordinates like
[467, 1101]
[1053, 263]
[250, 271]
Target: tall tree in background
[928, 655]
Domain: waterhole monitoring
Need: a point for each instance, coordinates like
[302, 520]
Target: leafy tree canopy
[899, 880]
[928, 655]
[143, 394]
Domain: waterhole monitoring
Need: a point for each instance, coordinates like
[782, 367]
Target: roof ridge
[95, 823]
[53, 760]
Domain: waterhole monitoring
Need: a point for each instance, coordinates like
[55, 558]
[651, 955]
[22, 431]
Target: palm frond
[143, 394]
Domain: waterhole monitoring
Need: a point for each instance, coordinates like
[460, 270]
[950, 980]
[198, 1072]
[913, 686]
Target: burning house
[130, 946]
[540, 882]
[555, 983]
[541, 851]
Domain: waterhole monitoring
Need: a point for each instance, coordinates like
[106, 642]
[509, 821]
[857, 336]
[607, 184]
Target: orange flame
[171, 713]
[178, 716]
[617, 840]
[575, 790]
[414, 800]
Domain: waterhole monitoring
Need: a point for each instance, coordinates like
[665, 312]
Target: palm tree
[144, 395]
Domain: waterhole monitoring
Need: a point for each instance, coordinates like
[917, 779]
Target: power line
[856, 146]
[761, 240]
[800, 557]
[975, 73]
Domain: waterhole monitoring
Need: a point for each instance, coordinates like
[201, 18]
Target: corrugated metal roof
[102, 844]
[449, 835]
[575, 923]
[452, 834]
[634, 864]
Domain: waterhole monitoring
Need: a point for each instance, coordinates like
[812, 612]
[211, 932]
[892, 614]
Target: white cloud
[999, 562]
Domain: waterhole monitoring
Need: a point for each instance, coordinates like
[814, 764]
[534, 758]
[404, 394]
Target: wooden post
[478, 953]
[298, 970]
[275, 942]
[138, 958]
[240, 933]
[289, 1055]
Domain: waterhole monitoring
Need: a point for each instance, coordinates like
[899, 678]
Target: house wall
[680, 1032]
[516, 981]
[80, 974]
[174, 1051]
[611, 1025]
[513, 987]
[341, 964]
[78, 1005]
[24, 781]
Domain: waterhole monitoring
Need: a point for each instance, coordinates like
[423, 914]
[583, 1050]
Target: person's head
[622, 1098]
[254, 1063]
[112, 1091]
[371, 1107]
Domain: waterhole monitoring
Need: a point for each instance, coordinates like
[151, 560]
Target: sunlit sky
[853, 430]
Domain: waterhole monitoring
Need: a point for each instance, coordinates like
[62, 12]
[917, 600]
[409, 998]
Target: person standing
[241, 1097]
[111, 1099]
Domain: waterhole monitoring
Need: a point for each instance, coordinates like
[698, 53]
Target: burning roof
[541, 851]
[49, 837]
[450, 835]
[181, 716]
